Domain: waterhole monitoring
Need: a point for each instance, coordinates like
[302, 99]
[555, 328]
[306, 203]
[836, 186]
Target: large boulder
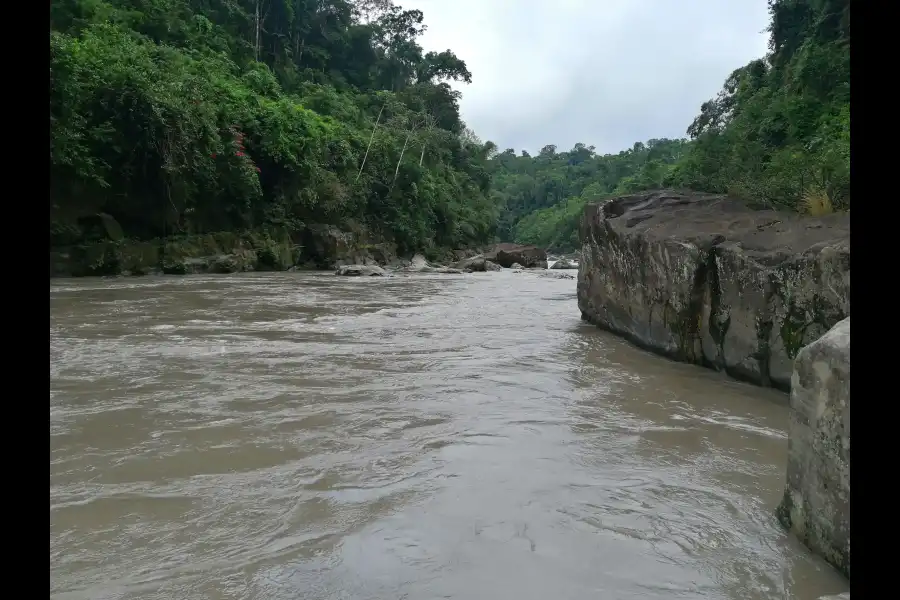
[101, 226]
[472, 263]
[564, 263]
[705, 279]
[226, 263]
[477, 264]
[550, 273]
[506, 255]
[360, 271]
[326, 246]
[418, 264]
[816, 503]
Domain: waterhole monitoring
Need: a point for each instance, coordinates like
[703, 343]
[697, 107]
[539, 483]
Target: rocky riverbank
[706, 280]
[759, 294]
[223, 252]
[311, 248]
[816, 504]
[510, 256]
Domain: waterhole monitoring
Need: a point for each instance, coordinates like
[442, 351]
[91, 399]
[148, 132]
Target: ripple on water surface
[307, 436]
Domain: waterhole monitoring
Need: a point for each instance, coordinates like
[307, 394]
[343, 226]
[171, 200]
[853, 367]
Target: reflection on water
[307, 436]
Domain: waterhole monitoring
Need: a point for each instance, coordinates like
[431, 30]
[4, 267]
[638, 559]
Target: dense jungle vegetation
[778, 134]
[187, 116]
[190, 116]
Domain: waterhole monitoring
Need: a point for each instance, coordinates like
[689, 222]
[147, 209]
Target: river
[292, 435]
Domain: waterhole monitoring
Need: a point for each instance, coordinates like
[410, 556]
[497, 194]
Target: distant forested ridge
[175, 117]
[543, 195]
[778, 134]
[180, 117]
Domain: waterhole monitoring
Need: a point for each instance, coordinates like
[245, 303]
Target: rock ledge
[704, 279]
[816, 503]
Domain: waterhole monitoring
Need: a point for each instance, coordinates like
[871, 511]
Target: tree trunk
[399, 160]
[258, 24]
[371, 139]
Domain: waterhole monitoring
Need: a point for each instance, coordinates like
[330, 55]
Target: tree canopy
[543, 196]
[778, 135]
[181, 116]
[779, 131]
[187, 116]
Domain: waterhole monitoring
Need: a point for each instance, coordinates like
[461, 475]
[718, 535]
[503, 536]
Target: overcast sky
[601, 72]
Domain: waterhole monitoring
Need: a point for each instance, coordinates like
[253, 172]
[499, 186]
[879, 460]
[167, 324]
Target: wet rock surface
[705, 279]
[556, 274]
[360, 271]
[476, 264]
[327, 246]
[564, 263]
[506, 255]
[816, 503]
[418, 264]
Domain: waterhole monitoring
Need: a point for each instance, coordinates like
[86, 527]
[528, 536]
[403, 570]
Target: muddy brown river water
[285, 436]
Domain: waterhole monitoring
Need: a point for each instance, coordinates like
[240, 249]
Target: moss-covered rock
[139, 258]
[273, 249]
[226, 263]
[705, 279]
[329, 247]
[100, 259]
[178, 255]
[176, 267]
[239, 261]
[816, 502]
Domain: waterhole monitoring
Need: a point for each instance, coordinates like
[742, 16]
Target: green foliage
[186, 116]
[780, 128]
[192, 116]
[778, 134]
[543, 197]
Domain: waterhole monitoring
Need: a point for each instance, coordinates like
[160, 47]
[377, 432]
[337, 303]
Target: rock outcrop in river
[506, 255]
[361, 271]
[816, 503]
[705, 279]
[564, 263]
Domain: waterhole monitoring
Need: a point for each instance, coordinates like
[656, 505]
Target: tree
[541, 199]
[230, 115]
[444, 65]
[778, 132]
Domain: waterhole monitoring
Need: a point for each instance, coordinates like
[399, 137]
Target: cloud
[602, 72]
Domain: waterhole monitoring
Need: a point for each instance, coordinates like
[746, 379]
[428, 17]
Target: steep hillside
[180, 117]
[777, 135]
